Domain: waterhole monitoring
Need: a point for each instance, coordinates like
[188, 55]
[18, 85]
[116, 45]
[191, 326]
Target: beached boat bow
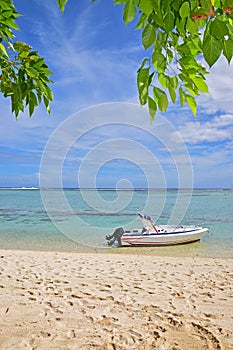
[156, 235]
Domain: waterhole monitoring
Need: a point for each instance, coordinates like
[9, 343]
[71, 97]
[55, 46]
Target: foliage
[24, 75]
[179, 35]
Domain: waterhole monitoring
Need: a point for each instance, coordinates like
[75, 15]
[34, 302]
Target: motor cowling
[116, 236]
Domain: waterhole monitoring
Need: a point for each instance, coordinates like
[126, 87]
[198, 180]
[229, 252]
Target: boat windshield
[147, 222]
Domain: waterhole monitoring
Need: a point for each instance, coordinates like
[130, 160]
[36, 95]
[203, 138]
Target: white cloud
[220, 82]
[218, 129]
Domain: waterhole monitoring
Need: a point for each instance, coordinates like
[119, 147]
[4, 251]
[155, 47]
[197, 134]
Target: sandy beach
[52, 300]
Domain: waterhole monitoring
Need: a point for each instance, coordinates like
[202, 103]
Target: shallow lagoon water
[25, 223]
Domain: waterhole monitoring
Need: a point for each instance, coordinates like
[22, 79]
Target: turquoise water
[74, 220]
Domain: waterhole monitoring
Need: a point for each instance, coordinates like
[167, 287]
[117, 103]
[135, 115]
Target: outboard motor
[116, 236]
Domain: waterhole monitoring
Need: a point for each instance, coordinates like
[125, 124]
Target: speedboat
[155, 235]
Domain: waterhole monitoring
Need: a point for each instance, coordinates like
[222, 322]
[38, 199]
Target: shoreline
[188, 250]
[66, 300]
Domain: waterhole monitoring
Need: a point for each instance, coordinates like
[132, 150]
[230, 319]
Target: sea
[75, 220]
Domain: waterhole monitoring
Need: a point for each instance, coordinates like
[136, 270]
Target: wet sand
[52, 300]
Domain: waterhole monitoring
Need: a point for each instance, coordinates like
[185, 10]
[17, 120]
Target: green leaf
[158, 16]
[189, 62]
[227, 3]
[192, 46]
[192, 26]
[152, 108]
[11, 23]
[169, 21]
[165, 6]
[3, 49]
[157, 93]
[218, 29]
[159, 61]
[129, 11]
[47, 93]
[144, 62]
[212, 49]
[169, 55]
[148, 36]
[176, 4]
[146, 6]
[61, 4]
[163, 79]
[142, 77]
[184, 10]
[21, 46]
[161, 98]
[6, 14]
[172, 93]
[32, 103]
[162, 39]
[33, 73]
[192, 103]
[142, 21]
[201, 84]
[142, 82]
[182, 96]
[180, 25]
[191, 88]
[228, 49]
[163, 103]
[151, 76]
[206, 6]
[48, 109]
[174, 81]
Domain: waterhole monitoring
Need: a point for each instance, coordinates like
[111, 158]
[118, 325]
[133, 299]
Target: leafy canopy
[177, 35]
[24, 75]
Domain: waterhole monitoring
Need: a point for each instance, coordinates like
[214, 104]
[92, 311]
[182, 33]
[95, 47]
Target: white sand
[98, 301]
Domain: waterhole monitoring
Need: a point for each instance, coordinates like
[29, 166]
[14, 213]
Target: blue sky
[94, 57]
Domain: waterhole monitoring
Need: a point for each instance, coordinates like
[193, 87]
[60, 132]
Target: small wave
[88, 213]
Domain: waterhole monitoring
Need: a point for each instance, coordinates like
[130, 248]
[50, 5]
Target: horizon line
[114, 188]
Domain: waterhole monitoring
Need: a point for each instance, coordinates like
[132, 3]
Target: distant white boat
[156, 235]
[24, 188]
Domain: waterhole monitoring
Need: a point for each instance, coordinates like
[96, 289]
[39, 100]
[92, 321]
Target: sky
[97, 134]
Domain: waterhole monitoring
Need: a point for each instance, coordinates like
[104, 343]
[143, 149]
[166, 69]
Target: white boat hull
[166, 235]
[156, 235]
